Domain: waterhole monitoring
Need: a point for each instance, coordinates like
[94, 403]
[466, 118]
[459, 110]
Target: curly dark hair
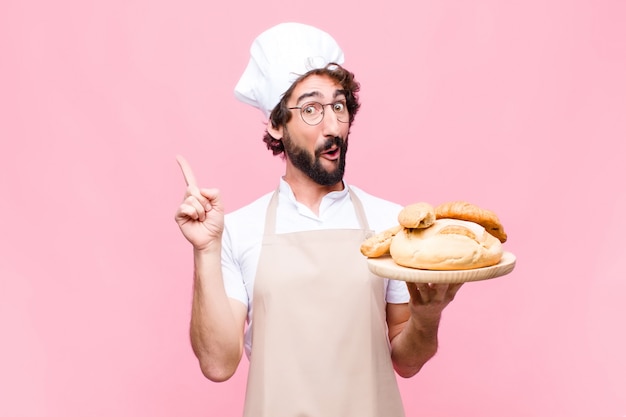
[281, 114]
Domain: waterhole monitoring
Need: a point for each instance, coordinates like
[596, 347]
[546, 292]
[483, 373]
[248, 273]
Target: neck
[307, 191]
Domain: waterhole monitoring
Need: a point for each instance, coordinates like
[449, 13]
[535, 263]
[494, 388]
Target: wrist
[211, 248]
[425, 324]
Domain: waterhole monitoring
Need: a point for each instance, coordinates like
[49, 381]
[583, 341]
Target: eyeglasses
[313, 112]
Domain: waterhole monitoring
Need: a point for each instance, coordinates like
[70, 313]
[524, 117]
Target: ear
[276, 133]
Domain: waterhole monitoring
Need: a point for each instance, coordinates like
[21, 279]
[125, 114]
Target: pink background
[516, 106]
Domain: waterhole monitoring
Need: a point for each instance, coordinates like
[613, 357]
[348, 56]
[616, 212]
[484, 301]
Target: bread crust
[463, 210]
[448, 244]
[378, 244]
[418, 215]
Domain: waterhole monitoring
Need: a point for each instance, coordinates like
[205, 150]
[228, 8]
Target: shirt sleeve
[397, 293]
[231, 271]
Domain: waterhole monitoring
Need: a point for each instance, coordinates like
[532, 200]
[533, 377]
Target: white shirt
[243, 235]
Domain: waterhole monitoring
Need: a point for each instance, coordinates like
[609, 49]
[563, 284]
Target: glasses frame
[308, 103]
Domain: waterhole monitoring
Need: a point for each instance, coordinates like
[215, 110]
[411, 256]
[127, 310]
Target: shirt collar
[285, 189]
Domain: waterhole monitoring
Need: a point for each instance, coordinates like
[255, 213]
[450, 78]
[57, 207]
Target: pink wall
[516, 106]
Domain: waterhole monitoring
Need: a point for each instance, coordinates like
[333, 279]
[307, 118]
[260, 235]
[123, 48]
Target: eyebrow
[317, 94]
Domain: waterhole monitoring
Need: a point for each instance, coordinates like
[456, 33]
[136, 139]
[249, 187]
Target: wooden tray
[385, 267]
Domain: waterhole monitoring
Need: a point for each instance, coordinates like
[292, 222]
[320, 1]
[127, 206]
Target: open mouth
[332, 153]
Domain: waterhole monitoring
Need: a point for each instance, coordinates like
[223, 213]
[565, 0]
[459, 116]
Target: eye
[310, 109]
[339, 106]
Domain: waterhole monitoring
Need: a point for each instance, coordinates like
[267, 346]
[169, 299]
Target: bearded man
[323, 335]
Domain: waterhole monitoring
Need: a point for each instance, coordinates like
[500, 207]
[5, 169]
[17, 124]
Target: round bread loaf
[448, 244]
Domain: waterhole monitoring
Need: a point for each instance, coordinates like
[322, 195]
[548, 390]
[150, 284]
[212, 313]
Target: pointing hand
[201, 214]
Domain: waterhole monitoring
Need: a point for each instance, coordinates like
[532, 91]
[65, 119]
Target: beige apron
[319, 335]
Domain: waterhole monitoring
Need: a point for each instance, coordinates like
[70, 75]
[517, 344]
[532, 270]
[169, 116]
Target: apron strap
[360, 211]
[270, 215]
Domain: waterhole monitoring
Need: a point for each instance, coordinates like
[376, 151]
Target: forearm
[414, 345]
[216, 333]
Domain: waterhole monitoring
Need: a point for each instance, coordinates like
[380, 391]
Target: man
[324, 334]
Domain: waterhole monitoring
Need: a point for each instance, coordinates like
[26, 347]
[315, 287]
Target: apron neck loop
[270, 216]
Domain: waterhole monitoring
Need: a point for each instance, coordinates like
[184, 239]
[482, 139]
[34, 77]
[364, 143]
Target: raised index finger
[187, 172]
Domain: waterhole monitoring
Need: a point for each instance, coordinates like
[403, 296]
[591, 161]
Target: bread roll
[418, 215]
[463, 210]
[448, 244]
[378, 245]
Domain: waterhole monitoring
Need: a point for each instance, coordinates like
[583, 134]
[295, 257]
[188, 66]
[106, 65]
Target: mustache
[330, 142]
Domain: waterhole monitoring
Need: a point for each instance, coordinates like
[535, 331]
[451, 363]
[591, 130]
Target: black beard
[310, 164]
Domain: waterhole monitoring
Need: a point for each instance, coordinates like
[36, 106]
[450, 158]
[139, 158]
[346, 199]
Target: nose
[331, 125]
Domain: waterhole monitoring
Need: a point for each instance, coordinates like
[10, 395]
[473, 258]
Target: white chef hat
[278, 57]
